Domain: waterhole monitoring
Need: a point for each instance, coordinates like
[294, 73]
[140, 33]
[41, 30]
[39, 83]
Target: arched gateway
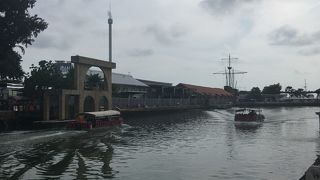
[79, 93]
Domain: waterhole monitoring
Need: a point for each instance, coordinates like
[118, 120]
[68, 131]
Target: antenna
[109, 12]
[305, 84]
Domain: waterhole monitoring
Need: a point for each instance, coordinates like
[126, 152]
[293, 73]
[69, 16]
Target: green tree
[272, 89]
[68, 79]
[299, 92]
[255, 94]
[93, 81]
[288, 89]
[17, 30]
[43, 77]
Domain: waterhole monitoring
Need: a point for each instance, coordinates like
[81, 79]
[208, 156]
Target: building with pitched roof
[159, 89]
[124, 85]
[214, 97]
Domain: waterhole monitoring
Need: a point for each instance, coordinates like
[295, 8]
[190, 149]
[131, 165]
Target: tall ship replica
[229, 72]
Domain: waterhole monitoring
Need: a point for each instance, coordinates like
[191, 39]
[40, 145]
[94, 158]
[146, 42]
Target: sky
[183, 41]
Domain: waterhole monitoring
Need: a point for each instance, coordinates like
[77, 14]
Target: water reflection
[85, 156]
[248, 126]
[181, 145]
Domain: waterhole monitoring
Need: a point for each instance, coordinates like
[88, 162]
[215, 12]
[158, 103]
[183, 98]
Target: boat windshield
[248, 111]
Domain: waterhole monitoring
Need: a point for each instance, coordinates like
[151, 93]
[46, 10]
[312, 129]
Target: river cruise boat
[249, 115]
[90, 120]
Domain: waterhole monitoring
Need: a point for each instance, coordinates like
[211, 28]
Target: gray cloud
[289, 36]
[222, 6]
[140, 52]
[310, 52]
[46, 41]
[298, 72]
[166, 36]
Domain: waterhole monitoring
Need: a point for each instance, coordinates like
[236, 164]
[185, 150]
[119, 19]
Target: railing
[125, 103]
[129, 103]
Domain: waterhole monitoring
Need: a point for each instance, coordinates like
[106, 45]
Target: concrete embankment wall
[266, 104]
[154, 104]
[7, 118]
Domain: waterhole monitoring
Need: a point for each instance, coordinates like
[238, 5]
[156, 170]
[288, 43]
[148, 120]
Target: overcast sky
[276, 41]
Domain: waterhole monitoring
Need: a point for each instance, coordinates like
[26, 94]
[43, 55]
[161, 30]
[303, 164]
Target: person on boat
[80, 119]
[252, 113]
[91, 121]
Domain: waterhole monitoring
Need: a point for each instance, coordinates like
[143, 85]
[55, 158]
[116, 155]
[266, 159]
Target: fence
[127, 103]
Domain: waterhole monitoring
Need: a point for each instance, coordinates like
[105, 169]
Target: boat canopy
[246, 109]
[102, 113]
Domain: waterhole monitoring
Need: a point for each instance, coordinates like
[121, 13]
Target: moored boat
[249, 115]
[90, 120]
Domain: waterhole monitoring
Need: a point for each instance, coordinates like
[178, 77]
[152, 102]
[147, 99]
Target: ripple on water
[184, 145]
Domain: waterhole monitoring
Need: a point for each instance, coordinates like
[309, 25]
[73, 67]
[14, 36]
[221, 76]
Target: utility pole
[110, 22]
[305, 85]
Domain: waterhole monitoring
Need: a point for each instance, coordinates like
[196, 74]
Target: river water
[183, 145]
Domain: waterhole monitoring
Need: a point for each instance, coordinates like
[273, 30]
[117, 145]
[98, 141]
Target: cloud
[221, 7]
[298, 72]
[289, 36]
[47, 41]
[141, 52]
[310, 52]
[166, 36]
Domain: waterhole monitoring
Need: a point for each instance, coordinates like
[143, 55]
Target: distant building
[124, 85]
[63, 66]
[159, 89]
[214, 97]
[243, 96]
[10, 90]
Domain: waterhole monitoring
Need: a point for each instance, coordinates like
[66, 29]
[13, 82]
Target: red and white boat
[249, 115]
[90, 120]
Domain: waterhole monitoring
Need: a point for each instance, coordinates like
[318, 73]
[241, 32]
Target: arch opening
[103, 104]
[95, 79]
[88, 104]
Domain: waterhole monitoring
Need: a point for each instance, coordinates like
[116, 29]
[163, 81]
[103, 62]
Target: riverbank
[280, 104]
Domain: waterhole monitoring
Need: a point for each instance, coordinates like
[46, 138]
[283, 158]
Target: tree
[68, 79]
[255, 94]
[93, 81]
[272, 89]
[17, 30]
[299, 92]
[47, 76]
[43, 77]
[288, 89]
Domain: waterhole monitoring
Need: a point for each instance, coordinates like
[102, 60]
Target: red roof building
[208, 91]
[211, 97]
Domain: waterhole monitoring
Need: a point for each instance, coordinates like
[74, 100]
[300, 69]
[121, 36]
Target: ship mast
[230, 75]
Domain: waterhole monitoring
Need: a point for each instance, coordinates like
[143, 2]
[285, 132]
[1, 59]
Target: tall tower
[110, 21]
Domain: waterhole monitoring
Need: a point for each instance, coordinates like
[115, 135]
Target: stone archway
[103, 104]
[84, 100]
[91, 82]
[88, 105]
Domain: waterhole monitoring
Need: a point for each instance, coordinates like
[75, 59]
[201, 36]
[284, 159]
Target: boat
[90, 120]
[249, 115]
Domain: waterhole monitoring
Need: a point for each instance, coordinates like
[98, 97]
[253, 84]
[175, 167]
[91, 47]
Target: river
[194, 144]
